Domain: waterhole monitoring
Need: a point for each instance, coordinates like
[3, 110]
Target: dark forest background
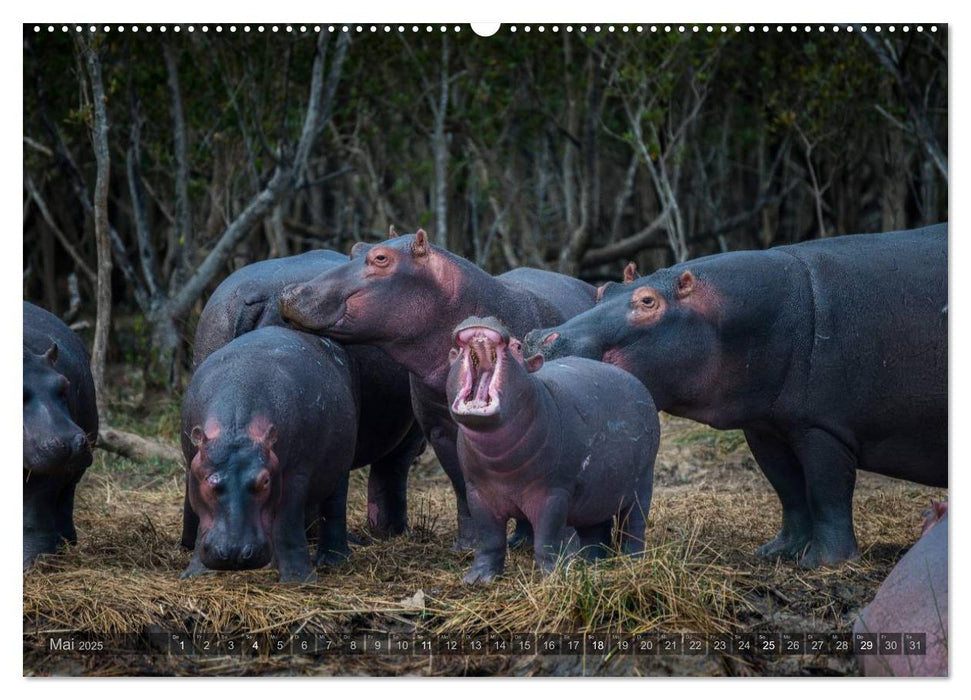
[568, 151]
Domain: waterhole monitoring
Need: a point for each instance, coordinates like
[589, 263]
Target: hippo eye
[215, 482]
[262, 483]
[649, 302]
[380, 259]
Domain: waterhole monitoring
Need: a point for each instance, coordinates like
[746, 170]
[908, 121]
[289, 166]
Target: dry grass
[711, 510]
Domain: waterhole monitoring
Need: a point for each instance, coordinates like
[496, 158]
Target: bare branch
[183, 207]
[280, 185]
[58, 233]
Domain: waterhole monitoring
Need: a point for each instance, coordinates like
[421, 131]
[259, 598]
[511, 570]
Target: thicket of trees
[560, 150]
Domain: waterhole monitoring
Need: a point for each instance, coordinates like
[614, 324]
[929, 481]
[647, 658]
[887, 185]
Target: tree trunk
[99, 134]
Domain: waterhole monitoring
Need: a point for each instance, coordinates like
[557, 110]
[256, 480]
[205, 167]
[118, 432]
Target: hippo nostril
[246, 552]
[79, 443]
[222, 551]
[53, 446]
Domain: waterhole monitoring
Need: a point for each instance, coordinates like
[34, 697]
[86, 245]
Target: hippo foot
[783, 547]
[195, 568]
[330, 558]
[480, 575]
[298, 576]
[386, 533]
[820, 555]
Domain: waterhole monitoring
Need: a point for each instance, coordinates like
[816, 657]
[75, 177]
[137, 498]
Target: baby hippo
[568, 444]
[269, 426]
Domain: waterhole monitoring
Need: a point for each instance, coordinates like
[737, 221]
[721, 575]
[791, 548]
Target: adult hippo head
[388, 291]
[235, 491]
[661, 328]
[53, 442]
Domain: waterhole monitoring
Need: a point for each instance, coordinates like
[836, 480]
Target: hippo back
[556, 297]
[249, 298]
[43, 329]
[291, 377]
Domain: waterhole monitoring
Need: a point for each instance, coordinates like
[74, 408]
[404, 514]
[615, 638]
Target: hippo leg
[387, 487]
[190, 524]
[632, 520]
[782, 468]
[490, 553]
[830, 469]
[550, 533]
[64, 513]
[195, 567]
[595, 540]
[290, 546]
[522, 537]
[40, 532]
[332, 546]
[447, 453]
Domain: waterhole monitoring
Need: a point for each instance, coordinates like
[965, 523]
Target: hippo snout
[224, 556]
[290, 296]
[65, 450]
[540, 341]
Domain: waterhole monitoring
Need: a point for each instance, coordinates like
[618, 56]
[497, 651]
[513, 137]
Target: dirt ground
[711, 509]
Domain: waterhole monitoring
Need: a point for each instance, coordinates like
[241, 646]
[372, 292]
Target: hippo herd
[539, 395]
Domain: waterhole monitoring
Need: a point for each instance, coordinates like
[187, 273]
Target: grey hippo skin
[571, 443]
[249, 299]
[913, 598]
[831, 355]
[269, 432]
[406, 296]
[60, 426]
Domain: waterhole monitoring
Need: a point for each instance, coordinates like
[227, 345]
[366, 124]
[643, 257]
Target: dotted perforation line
[428, 28]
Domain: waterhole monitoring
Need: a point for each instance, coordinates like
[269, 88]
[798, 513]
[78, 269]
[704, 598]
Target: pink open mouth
[482, 360]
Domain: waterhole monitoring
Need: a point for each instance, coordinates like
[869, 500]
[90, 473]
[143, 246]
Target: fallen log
[135, 446]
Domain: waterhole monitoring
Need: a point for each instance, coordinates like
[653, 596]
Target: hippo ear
[601, 289]
[269, 437]
[534, 363]
[51, 354]
[391, 232]
[453, 355]
[685, 285]
[419, 247]
[198, 436]
[630, 272]
[263, 433]
[359, 248]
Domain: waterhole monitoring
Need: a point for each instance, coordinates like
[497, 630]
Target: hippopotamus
[913, 598]
[405, 296]
[60, 427]
[571, 443]
[830, 355]
[249, 299]
[269, 434]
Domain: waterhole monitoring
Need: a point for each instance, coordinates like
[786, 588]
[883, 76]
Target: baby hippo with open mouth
[567, 444]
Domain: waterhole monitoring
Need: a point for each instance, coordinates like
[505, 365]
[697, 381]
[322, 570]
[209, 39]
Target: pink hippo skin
[913, 598]
[568, 444]
[405, 296]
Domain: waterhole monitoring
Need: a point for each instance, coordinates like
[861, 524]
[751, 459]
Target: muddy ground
[712, 508]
